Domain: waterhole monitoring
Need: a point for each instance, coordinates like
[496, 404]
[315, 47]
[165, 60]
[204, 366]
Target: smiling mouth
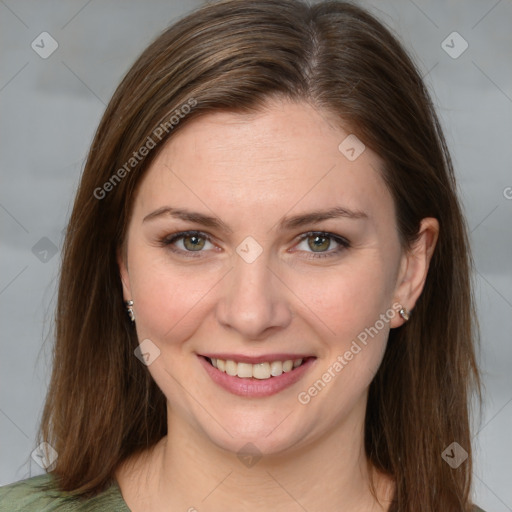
[261, 371]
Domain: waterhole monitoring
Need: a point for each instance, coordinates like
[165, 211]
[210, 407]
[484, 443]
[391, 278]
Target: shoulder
[40, 494]
[32, 494]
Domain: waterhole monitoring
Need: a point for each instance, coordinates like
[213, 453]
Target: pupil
[193, 243]
[319, 243]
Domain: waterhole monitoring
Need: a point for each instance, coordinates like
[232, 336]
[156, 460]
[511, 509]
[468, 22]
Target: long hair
[102, 404]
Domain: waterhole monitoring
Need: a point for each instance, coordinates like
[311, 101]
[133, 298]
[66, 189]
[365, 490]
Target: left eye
[321, 243]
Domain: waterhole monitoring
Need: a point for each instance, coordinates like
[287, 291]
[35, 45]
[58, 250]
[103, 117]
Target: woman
[264, 300]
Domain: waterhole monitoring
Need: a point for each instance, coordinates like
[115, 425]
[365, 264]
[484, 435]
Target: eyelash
[343, 243]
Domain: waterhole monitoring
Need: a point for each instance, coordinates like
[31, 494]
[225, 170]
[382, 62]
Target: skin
[251, 171]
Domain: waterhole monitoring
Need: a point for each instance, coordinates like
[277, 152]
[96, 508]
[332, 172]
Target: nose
[253, 301]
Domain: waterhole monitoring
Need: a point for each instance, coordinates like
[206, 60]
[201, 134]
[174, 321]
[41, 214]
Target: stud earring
[129, 308]
[404, 313]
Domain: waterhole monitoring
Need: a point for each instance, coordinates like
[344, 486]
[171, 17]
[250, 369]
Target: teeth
[258, 371]
[231, 368]
[287, 365]
[276, 368]
[244, 370]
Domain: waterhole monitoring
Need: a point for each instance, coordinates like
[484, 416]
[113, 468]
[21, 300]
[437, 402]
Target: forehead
[286, 157]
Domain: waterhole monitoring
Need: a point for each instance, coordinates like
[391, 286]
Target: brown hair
[102, 403]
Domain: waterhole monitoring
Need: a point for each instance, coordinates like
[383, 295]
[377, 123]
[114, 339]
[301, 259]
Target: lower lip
[255, 387]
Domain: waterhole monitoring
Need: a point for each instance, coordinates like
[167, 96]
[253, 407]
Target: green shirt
[38, 494]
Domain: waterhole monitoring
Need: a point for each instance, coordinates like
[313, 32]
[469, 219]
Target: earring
[129, 308]
[404, 314]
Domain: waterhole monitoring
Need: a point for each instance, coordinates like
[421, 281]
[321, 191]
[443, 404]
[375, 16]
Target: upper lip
[264, 358]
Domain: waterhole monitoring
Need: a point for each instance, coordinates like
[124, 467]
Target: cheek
[169, 302]
[345, 301]
[352, 309]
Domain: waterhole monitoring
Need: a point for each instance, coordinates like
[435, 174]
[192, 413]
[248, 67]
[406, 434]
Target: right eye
[188, 242]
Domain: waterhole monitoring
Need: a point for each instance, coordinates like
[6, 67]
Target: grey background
[50, 109]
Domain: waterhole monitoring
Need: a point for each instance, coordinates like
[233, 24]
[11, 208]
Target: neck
[186, 471]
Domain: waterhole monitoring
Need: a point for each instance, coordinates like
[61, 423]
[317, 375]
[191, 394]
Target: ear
[123, 272]
[414, 267]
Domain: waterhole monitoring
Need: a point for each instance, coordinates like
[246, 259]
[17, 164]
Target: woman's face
[259, 239]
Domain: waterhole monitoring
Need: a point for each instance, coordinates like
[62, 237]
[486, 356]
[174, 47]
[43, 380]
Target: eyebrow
[285, 223]
[320, 215]
[186, 215]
